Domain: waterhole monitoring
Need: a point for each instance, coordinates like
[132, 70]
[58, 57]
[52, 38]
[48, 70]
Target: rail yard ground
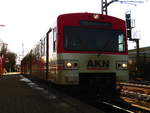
[20, 95]
[138, 94]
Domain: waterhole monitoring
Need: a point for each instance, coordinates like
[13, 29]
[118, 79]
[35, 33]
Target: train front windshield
[92, 39]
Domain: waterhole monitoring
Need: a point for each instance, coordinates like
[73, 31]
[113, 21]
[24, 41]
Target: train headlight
[121, 65]
[124, 65]
[68, 64]
[71, 64]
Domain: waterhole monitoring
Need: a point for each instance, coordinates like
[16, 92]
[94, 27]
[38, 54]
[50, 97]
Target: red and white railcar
[83, 49]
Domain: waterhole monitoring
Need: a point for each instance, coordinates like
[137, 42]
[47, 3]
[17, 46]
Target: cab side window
[121, 43]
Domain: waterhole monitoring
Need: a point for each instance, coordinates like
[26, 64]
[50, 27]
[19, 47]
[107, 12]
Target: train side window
[54, 39]
[42, 41]
[121, 43]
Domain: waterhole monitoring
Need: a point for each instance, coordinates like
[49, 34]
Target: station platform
[20, 95]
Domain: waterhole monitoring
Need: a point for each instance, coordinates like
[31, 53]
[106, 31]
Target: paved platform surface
[20, 95]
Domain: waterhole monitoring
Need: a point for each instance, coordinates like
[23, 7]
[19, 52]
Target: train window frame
[121, 43]
[103, 48]
[54, 39]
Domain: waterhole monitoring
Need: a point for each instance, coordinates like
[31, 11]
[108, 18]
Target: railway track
[135, 98]
[115, 106]
[118, 107]
[136, 93]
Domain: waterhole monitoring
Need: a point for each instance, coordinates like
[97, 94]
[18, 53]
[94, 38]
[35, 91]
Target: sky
[27, 21]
